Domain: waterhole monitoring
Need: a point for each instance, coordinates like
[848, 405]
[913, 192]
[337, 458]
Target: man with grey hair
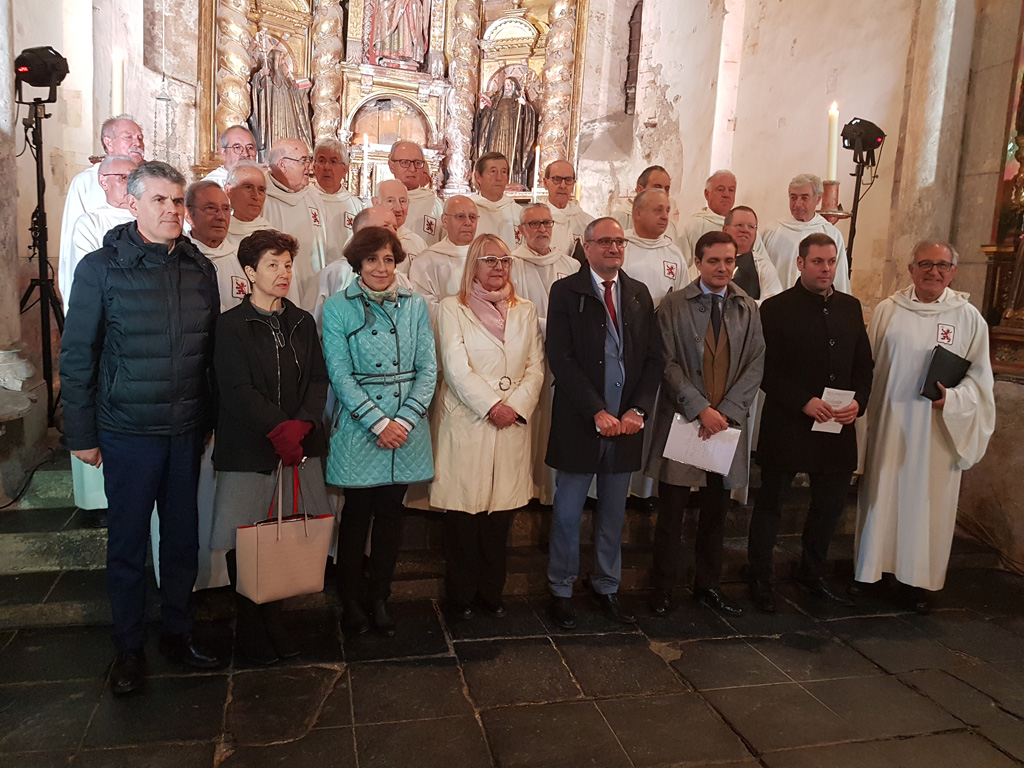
[135, 371]
[293, 206]
[208, 212]
[425, 210]
[236, 144]
[783, 240]
[394, 195]
[651, 177]
[437, 272]
[720, 196]
[918, 446]
[120, 135]
[246, 188]
[570, 219]
[651, 257]
[330, 166]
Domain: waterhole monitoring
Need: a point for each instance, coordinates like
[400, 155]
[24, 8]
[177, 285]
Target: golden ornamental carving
[234, 65]
[559, 63]
[326, 34]
[464, 74]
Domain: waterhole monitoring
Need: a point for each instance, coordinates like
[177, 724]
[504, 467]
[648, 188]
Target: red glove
[287, 439]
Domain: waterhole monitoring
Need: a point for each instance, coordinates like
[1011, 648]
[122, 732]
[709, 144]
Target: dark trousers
[475, 555]
[138, 472]
[383, 506]
[668, 546]
[828, 499]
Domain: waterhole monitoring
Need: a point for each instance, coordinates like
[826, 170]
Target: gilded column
[559, 62]
[464, 74]
[328, 28]
[234, 36]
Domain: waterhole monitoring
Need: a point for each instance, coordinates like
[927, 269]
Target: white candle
[833, 143]
[536, 167]
[117, 82]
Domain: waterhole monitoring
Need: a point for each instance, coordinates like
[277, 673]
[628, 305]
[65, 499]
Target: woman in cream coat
[493, 371]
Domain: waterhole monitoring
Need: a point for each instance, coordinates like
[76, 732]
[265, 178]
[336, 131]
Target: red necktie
[610, 303]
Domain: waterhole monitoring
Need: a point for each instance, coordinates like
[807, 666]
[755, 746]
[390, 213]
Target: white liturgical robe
[702, 222]
[624, 215]
[500, 218]
[86, 237]
[657, 263]
[231, 280]
[218, 175]
[84, 195]
[239, 230]
[783, 241]
[915, 454]
[339, 211]
[302, 215]
[570, 223]
[437, 273]
[413, 246]
[425, 209]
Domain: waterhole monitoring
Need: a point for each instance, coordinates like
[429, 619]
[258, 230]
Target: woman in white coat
[493, 372]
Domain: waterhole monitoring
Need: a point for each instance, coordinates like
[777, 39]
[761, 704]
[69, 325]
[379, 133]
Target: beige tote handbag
[283, 556]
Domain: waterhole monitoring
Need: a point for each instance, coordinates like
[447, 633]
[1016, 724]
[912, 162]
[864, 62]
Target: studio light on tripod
[40, 67]
[863, 137]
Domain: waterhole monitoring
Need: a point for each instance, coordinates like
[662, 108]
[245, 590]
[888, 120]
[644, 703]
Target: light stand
[863, 137]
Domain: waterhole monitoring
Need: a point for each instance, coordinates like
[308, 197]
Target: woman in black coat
[272, 385]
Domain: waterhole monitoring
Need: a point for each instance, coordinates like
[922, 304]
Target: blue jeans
[139, 471]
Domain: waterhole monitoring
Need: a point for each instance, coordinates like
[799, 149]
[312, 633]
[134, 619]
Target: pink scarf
[491, 308]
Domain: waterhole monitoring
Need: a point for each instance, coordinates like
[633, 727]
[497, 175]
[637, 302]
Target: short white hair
[277, 152]
[533, 207]
[109, 160]
[242, 165]
[229, 129]
[715, 175]
[804, 179]
[332, 145]
[924, 245]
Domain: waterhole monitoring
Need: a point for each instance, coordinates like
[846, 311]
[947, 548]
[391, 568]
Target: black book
[946, 368]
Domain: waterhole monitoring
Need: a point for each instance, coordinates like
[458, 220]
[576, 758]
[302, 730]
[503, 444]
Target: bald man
[208, 212]
[392, 194]
[293, 206]
[437, 272]
[720, 196]
[652, 177]
[236, 144]
[570, 219]
[651, 256]
[425, 210]
[246, 188]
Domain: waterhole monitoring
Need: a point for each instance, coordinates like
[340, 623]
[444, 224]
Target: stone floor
[811, 686]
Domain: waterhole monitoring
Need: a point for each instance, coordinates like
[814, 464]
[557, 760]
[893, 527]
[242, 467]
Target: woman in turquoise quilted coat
[381, 359]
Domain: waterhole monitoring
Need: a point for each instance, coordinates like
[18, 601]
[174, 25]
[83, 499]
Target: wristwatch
[639, 412]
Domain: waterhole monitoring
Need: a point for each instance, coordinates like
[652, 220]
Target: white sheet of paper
[685, 446]
[836, 398]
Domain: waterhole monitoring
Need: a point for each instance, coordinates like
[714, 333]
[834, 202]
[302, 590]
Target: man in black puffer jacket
[135, 372]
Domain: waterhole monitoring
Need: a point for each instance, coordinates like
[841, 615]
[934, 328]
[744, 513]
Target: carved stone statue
[280, 109]
[507, 123]
[400, 33]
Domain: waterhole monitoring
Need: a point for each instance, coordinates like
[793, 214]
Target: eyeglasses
[299, 160]
[275, 324]
[545, 223]
[927, 266]
[409, 163]
[238, 149]
[493, 262]
[560, 180]
[118, 176]
[322, 161]
[463, 217]
[608, 242]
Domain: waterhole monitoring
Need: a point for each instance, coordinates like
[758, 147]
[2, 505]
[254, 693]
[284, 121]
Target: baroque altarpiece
[459, 77]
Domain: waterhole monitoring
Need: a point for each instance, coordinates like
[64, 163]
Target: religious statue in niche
[507, 122]
[280, 104]
[400, 33]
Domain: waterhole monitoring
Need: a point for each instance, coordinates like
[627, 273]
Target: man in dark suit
[602, 346]
[814, 338]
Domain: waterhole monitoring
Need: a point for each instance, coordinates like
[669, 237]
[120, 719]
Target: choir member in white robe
[570, 219]
[330, 166]
[246, 188]
[917, 449]
[88, 233]
[783, 240]
[499, 214]
[652, 177]
[120, 136]
[437, 272]
[720, 194]
[294, 207]
[394, 195]
[425, 209]
[236, 144]
[535, 266]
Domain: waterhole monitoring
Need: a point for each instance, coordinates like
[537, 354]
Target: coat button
[831, 342]
[373, 332]
[378, 365]
[702, 309]
[825, 310]
[393, 330]
[379, 397]
[696, 339]
[355, 417]
[396, 394]
[700, 372]
[831, 377]
[395, 363]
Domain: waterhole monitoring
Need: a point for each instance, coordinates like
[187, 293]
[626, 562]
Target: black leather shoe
[820, 590]
[280, 638]
[660, 604]
[494, 610]
[353, 619]
[918, 600]
[762, 597]
[382, 620]
[612, 608]
[127, 672]
[461, 611]
[181, 650]
[562, 612]
[856, 588]
[712, 598]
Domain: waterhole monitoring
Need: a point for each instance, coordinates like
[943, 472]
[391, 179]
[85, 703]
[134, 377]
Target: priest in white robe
[916, 448]
[330, 166]
[720, 195]
[570, 219]
[499, 214]
[246, 188]
[437, 272]
[535, 266]
[651, 257]
[394, 195]
[236, 144]
[425, 209]
[783, 240]
[208, 212]
[120, 136]
[294, 207]
[652, 177]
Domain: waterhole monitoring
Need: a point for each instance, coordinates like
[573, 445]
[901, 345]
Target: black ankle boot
[250, 632]
[279, 636]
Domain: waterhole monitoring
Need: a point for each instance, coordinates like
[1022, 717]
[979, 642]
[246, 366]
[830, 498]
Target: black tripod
[47, 300]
